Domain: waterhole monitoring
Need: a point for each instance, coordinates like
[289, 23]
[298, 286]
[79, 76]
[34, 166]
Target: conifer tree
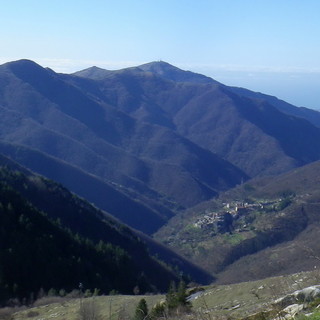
[171, 297]
[177, 299]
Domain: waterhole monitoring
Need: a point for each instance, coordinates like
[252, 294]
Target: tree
[176, 300]
[142, 311]
[171, 297]
[182, 294]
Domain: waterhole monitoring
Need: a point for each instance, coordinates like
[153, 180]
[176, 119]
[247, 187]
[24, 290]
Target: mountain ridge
[185, 117]
[71, 123]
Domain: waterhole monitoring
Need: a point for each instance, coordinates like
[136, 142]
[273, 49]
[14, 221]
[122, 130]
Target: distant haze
[268, 46]
[298, 88]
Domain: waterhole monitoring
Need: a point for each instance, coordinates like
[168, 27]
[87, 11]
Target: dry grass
[234, 301]
[246, 298]
[102, 307]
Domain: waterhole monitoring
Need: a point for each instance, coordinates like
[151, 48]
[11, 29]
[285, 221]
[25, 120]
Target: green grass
[234, 238]
[313, 316]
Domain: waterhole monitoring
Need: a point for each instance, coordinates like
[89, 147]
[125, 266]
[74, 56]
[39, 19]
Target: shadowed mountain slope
[65, 243]
[56, 115]
[253, 134]
[82, 218]
[104, 195]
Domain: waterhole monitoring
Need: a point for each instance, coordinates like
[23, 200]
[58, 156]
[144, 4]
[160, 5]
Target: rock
[292, 310]
[308, 294]
[305, 295]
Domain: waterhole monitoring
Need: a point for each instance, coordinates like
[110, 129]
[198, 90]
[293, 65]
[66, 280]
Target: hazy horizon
[269, 47]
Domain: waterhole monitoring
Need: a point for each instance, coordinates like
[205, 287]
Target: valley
[270, 223]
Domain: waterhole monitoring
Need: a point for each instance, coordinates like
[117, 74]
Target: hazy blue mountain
[71, 119]
[253, 134]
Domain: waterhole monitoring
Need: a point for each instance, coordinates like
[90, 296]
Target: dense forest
[36, 253]
[51, 239]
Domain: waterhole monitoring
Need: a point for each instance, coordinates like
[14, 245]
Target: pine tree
[171, 297]
[177, 299]
[181, 293]
[182, 296]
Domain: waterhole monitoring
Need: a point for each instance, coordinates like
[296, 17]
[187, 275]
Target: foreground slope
[246, 300]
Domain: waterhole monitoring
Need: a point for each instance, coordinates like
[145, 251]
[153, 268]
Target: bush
[142, 311]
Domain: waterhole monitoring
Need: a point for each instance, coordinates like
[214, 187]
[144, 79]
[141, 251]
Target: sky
[271, 46]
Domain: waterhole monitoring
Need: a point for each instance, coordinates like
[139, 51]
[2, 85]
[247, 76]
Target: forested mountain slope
[54, 213]
[45, 111]
[258, 133]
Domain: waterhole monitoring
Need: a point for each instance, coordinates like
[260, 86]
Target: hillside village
[223, 221]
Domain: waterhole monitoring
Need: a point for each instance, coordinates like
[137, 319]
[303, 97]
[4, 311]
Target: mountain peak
[22, 64]
[158, 66]
[94, 72]
[170, 72]
[28, 70]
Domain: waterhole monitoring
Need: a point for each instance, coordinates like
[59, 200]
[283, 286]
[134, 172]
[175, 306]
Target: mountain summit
[170, 72]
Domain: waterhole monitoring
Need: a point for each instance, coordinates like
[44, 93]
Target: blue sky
[272, 46]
